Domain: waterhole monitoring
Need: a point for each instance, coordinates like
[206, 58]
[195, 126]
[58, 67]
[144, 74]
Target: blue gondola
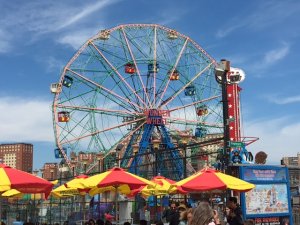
[200, 132]
[58, 154]
[190, 90]
[153, 67]
[68, 81]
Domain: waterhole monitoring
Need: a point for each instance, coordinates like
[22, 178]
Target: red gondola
[130, 68]
[202, 110]
[174, 75]
[63, 116]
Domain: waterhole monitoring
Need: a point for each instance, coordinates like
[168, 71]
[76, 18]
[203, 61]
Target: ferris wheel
[131, 86]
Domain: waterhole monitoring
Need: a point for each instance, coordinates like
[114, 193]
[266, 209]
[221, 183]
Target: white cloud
[167, 18]
[77, 38]
[35, 19]
[278, 138]
[265, 15]
[283, 101]
[269, 59]
[276, 54]
[224, 32]
[86, 11]
[25, 120]
[5, 45]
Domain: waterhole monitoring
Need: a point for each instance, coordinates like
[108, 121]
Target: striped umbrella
[164, 186]
[65, 190]
[209, 179]
[115, 179]
[23, 182]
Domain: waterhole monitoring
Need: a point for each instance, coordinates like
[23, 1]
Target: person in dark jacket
[235, 216]
[174, 214]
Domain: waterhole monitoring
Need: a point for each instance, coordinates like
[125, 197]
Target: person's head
[126, 223]
[181, 208]
[189, 215]
[232, 203]
[173, 206]
[202, 215]
[227, 211]
[183, 215]
[92, 222]
[159, 222]
[100, 222]
[249, 222]
[107, 222]
[143, 222]
[286, 221]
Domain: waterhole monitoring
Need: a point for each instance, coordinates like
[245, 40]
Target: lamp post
[135, 149]
[99, 157]
[50, 214]
[184, 141]
[63, 171]
[156, 143]
[221, 76]
[118, 151]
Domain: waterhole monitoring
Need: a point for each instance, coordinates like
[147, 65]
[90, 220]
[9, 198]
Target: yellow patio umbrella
[112, 180]
[63, 192]
[164, 186]
[209, 179]
[12, 193]
[116, 179]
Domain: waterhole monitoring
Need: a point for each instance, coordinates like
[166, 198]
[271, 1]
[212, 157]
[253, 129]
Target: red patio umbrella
[209, 179]
[23, 182]
[164, 186]
[116, 178]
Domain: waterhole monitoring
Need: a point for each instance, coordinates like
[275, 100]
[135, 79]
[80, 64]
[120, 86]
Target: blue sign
[270, 174]
[269, 202]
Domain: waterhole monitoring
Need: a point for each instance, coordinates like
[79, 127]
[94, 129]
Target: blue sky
[37, 38]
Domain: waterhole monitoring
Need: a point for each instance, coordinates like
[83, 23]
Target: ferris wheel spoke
[154, 62]
[172, 70]
[120, 141]
[184, 86]
[117, 72]
[192, 122]
[126, 137]
[107, 90]
[194, 103]
[101, 131]
[124, 90]
[137, 69]
[69, 130]
[99, 110]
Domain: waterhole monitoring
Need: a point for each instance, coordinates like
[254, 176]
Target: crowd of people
[204, 214]
[180, 214]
